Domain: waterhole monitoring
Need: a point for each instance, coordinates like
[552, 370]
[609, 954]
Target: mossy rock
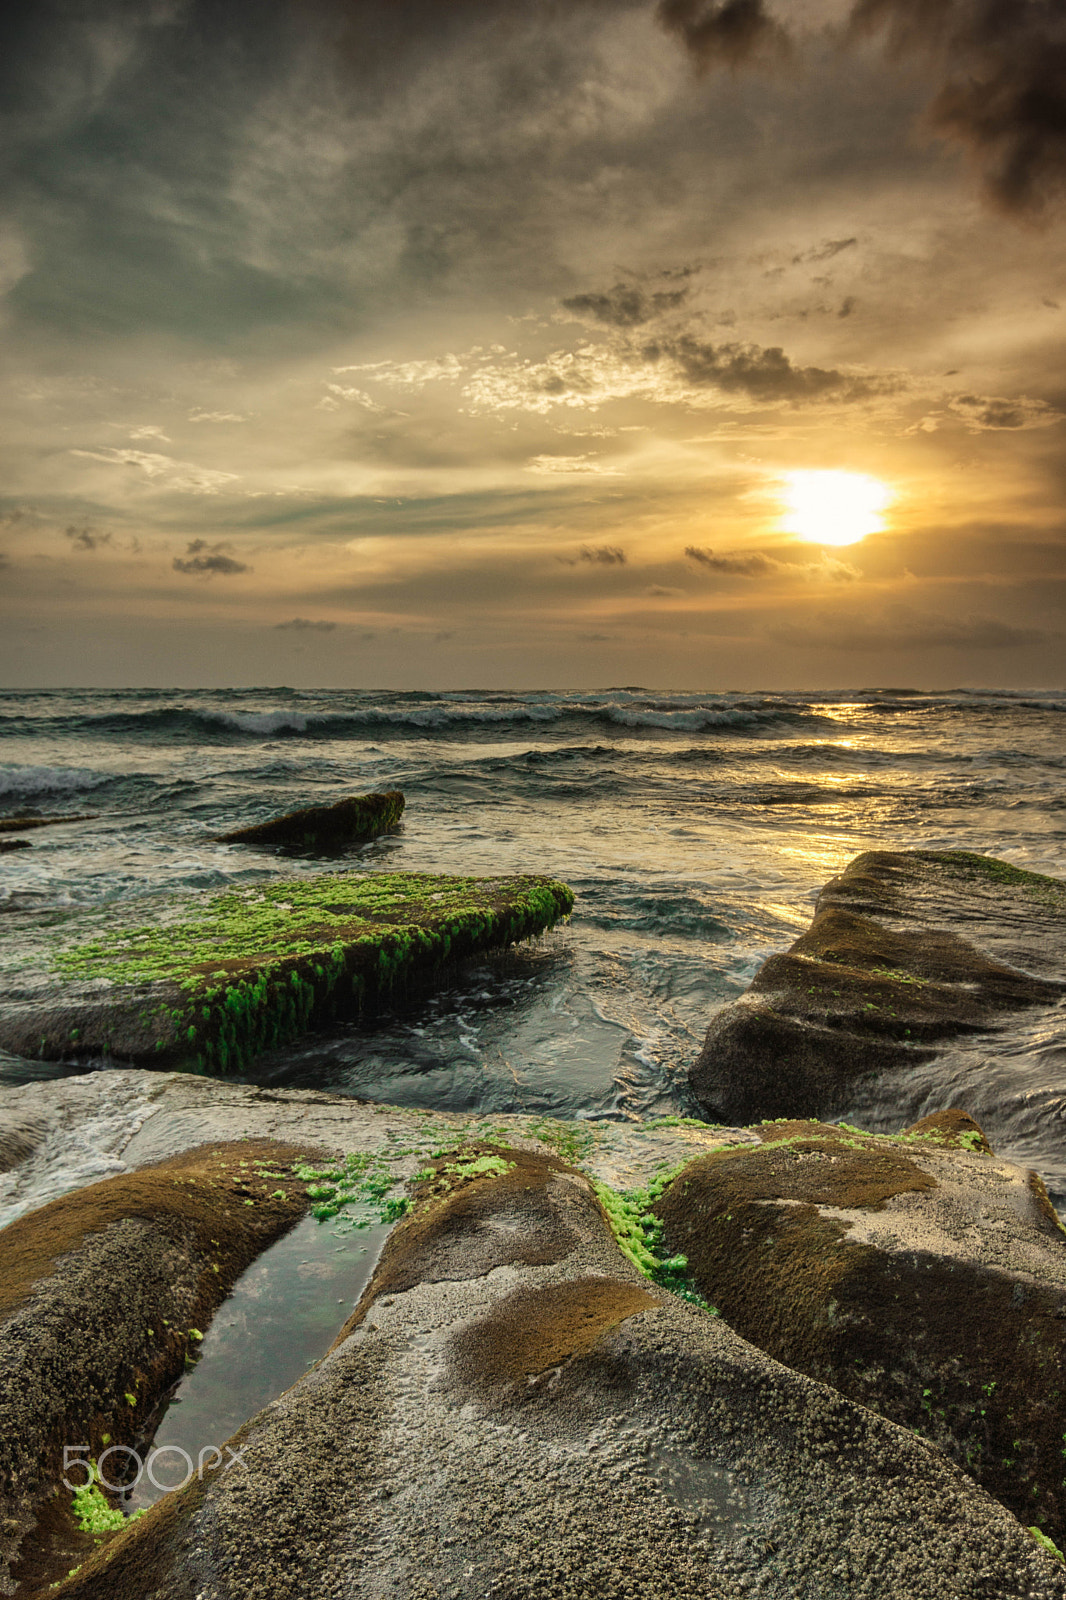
[356, 820]
[515, 1411]
[248, 970]
[905, 952]
[98, 1293]
[915, 1274]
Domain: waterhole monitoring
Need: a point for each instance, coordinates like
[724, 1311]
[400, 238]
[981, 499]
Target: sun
[834, 507]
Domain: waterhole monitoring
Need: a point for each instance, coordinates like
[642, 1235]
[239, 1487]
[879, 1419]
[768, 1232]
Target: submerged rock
[353, 821]
[103, 1294]
[918, 1275]
[22, 821]
[905, 950]
[514, 1411]
[13, 844]
[247, 970]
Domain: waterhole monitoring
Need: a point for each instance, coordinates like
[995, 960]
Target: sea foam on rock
[906, 950]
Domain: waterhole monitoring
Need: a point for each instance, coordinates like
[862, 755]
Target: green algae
[1037, 883]
[249, 969]
[639, 1235]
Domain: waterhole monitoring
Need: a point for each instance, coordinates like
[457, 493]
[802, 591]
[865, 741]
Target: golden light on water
[834, 507]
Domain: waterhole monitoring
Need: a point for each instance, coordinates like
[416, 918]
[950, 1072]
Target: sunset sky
[442, 343]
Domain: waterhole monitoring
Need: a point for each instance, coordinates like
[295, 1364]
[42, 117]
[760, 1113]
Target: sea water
[695, 829]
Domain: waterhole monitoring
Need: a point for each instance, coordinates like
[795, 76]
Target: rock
[514, 1412]
[918, 1275]
[905, 951]
[97, 1293]
[13, 844]
[247, 970]
[353, 821]
[22, 821]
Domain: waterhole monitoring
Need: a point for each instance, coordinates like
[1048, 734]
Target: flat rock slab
[919, 1275]
[905, 951]
[356, 820]
[514, 1412]
[211, 983]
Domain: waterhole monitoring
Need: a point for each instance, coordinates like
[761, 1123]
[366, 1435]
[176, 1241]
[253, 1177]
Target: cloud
[203, 557]
[305, 625]
[982, 413]
[626, 305]
[217, 416]
[754, 564]
[85, 538]
[148, 430]
[597, 555]
[169, 473]
[556, 464]
[1005, 87]
[826, 251]
[763, 374]
[728, 33]
[903, 629]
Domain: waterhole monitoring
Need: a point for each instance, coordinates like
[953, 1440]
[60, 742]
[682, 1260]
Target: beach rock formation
[905, 951]
[918, 1275]
[103, 1294]
[356, 820]
[514, 1411]
[215, 981]
[23, 821]
[13, 844]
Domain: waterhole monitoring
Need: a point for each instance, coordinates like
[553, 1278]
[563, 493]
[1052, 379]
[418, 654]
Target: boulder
[515, 1412]
[98, 1293]
[215, 981]
[353, 821]
[13, 844]
[919, 1275]
[905, 951]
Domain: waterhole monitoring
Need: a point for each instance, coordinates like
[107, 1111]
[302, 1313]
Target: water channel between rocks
[283, 1315]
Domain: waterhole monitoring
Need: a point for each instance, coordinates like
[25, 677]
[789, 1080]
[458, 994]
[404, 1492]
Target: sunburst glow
[834, 507]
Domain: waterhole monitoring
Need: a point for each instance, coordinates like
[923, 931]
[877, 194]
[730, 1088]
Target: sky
[706, 344]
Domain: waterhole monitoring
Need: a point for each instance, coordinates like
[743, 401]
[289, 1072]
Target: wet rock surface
[905, 950]
[921, 1276]
[355, 820]
[543, 1422]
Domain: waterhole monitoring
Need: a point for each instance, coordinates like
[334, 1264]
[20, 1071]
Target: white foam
[49, 780]
[260, 721]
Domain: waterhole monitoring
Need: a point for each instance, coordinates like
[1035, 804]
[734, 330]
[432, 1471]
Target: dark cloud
[764, 374]
[203, 557]
[305, 625]
[755, 564]
[826, 251]
[983, 412]
[626, 305]
[603, 555]
[85, 538]
[903, 629]
[1005, 92]
[724, 32]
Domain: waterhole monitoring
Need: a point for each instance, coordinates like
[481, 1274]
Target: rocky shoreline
[783, 1358]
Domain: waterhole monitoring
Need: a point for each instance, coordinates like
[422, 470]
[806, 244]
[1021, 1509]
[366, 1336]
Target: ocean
[695, 830]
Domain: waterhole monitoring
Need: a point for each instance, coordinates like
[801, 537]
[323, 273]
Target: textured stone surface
[905, 951]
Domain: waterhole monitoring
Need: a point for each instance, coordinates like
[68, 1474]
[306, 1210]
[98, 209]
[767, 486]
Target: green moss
[93, 1513]
[248, 970]
[640, 1235]
[1004, 872]
[1048, 1544]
